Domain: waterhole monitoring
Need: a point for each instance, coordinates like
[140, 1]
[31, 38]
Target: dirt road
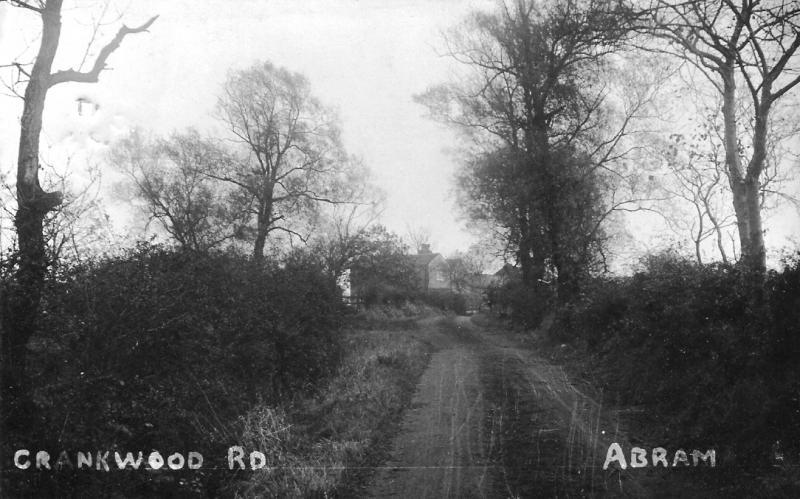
[489, 419]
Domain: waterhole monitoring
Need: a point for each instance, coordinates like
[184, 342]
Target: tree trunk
[757, 258]
[19, 319]
[261, 239]
[717, 231]
[262, 227]
[21, 305]
[699, 238]
[524, 250]
[747, 207]
[746, 188]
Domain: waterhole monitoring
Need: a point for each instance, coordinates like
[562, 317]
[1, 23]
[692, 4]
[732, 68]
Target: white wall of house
[438, 273]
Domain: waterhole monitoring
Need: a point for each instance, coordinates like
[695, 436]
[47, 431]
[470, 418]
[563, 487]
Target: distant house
[399, 275]
[432, 270]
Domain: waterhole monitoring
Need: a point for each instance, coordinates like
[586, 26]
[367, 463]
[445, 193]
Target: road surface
[490, 419]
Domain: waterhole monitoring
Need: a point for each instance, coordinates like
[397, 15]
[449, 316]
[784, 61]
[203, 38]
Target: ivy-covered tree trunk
[19, 320]
[21, 306]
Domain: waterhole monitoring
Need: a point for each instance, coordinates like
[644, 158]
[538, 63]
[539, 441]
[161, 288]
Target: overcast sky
[365, 58]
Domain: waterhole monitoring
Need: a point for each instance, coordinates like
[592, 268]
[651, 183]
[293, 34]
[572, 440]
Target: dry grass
[311, 446]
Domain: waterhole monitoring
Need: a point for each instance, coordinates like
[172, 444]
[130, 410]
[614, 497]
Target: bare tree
[346, 236]
[343, 231]
[419, 237]
[750, 44]
[33, 202]
[699, 178]
[291, 155]
[170, 175]
[80, 224]
[467, 268]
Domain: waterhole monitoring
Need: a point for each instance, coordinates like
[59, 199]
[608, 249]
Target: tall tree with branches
[33, 203]
[290, 153]
[747, 51]
[538, 114]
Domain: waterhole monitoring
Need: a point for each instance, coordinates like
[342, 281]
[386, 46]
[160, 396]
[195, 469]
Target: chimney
[424, 249]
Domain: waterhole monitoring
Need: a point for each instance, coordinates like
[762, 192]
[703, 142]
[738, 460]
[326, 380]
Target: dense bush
[525, 305]
[163, 350]
[377, 294]
[696, 345]
[382, 295]
[446, 300]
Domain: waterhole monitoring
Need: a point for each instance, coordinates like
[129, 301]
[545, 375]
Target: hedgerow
[697, 347]
[159, 349]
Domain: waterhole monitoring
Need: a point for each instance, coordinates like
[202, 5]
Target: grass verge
[324, 446]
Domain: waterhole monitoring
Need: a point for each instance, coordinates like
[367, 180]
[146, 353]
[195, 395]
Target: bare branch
[92, 76]
[24, 5]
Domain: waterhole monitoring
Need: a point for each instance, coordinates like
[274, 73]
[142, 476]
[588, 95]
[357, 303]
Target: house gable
[438, 273]
[433, 271]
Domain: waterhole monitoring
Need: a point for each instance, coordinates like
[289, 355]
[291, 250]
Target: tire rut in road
[553, 436]
[491, 420]
[532, 446]
[440, 449]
